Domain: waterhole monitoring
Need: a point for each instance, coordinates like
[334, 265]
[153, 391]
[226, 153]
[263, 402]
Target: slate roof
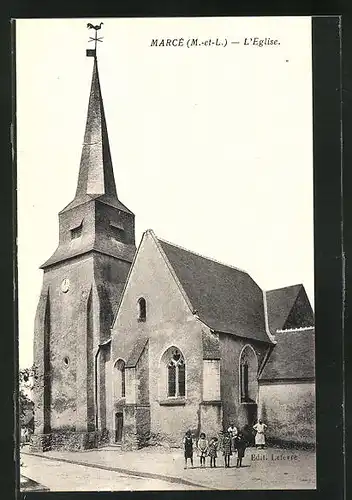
[279, 305]
[293, 357]
[112, 201]
[226, 299]
[136, 352]
[96, 175]
[102, 244]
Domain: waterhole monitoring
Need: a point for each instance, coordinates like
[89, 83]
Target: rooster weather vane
[90, 26]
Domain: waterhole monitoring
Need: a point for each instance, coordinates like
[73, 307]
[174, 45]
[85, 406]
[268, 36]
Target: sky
[211, 145]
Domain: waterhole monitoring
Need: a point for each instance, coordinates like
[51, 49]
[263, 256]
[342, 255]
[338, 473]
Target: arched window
[248, 375]
[142, 309]
[244, 381]
[120, 379]
[176, 380]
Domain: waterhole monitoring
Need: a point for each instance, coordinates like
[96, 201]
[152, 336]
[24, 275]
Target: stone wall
[211, 419]
[130, 435]
[211, 380]
[288, 409]
[143, 425]
[233, 409]
[79, 321]
[68, 340]
[169, 323]
[142, 377]
[41, 389]
[68, 440]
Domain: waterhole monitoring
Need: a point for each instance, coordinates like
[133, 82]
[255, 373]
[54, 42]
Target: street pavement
[157, 468]
[61, 476]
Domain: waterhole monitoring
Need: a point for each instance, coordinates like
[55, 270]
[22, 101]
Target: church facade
[136, 346]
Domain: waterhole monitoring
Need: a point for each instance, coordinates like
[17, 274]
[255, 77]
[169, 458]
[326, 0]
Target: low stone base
[286, 444]
[130, 446]
[136, 428]
[133, 441]
[68, 440]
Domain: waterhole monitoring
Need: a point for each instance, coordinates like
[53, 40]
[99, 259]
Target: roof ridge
[266, 322]
[283, 287]
[172, 270]
[203, 256]
[298, 329]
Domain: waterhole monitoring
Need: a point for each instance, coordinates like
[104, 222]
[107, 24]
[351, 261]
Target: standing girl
[202, 446]
[227, 448]
[260, 427]
[188, 447]
[212, 451]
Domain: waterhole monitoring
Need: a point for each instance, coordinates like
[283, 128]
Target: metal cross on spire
[93, 52]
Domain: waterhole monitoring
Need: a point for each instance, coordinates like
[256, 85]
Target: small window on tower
[142, 309]
[76, 231]
[118, 232]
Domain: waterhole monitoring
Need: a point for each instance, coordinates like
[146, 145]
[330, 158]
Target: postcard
[165, 254]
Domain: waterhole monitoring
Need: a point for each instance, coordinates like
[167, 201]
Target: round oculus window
[65, 285]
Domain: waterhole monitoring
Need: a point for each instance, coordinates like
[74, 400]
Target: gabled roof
[225, 298]
[131, 354]
[280, 307]
[292, 357]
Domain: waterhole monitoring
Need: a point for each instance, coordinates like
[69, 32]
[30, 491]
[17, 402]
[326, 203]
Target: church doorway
[252, 414]
[118, 427]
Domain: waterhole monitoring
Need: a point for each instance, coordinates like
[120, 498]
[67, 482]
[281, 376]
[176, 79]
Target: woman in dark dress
[188, 448]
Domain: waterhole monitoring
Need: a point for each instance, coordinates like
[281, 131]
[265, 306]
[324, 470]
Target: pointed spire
[96, 176]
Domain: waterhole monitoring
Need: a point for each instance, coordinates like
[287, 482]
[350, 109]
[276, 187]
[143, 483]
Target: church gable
[158, 336]
[152, 300]
[288, 307]
[301, 314]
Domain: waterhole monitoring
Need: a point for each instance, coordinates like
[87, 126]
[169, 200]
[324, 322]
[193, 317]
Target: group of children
[229, 444]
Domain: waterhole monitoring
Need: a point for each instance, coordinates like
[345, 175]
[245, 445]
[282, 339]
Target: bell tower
[82, 284]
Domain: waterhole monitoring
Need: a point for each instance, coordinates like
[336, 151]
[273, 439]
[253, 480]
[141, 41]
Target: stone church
[135, 346]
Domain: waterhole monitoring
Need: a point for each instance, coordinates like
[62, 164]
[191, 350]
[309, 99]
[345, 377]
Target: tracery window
[176, 375]
[120, 379]
[244, 381]
[248, 375]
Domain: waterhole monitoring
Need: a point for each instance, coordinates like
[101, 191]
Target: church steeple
[95, 220]
[82, 285]
[96, 176]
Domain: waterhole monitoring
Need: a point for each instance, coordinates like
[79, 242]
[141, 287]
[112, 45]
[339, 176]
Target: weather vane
[90, 26]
